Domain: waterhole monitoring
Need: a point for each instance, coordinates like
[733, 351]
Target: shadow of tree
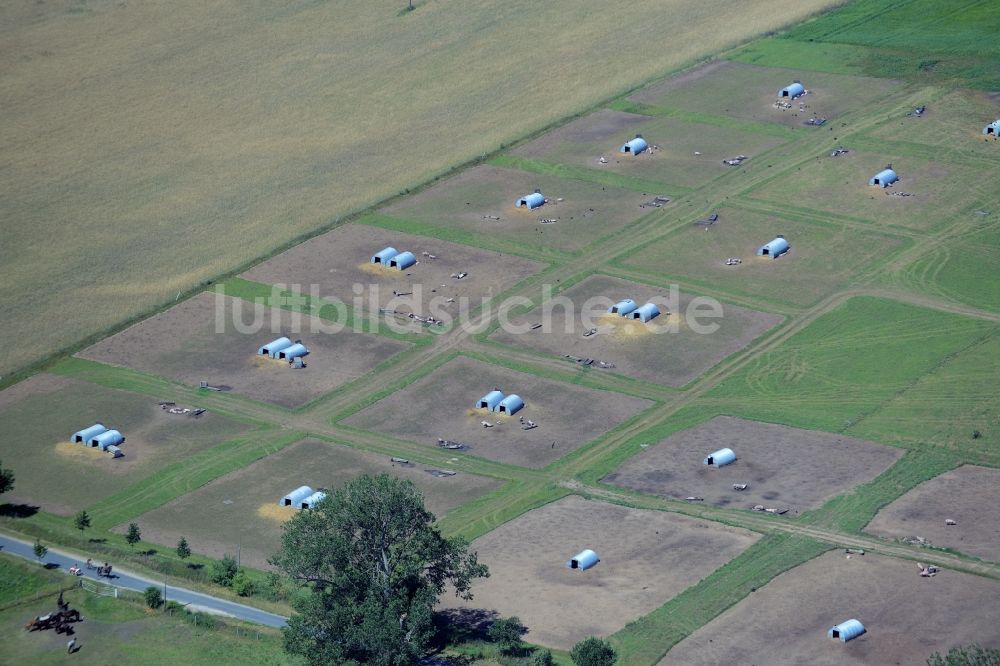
[17, 510]
[460, 625]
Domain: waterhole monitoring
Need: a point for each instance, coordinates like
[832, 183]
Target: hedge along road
[131, 581]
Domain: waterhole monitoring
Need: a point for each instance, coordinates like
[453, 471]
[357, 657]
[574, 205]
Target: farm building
[993, 129]
[512, 404]
[884, 178]
[583, 560]
[793, 90]
[384, 256]
[845, 631]
[403, 260]
[490, 401]
[623, 307]
[295, 497]
[314, 499]
[720, 458]
[85, 435]
[635, 146]
[774, 248]
[293, 351]
[106, 439]
[646, 312]
[531, 201]
[273, 347]
[115, 451]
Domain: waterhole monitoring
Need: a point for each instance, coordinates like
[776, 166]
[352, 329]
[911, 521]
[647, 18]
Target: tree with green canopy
[375, 566]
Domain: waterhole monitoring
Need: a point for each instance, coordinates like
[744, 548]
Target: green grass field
[890, 329]
[952, 43]
[961, 268]
[946, 406]
[847, 362]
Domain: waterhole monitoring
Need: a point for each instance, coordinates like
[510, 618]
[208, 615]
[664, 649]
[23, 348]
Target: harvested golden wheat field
[146, 147]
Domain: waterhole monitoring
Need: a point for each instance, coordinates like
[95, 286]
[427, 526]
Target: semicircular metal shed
[106, 439]
[296, 496]
[646, 312]
[273, 347]
[720, 458]
[403, 260]
[635, 146]
[531, 201]
[883, 178]
[623, 307]
[293, 352]
[512, 404]
[583, 560]
[84, 436]
[993, 129]
[384, 256]
[846, 630]
[774, 248]
[314, 499]
[793, 90]
[490, 400]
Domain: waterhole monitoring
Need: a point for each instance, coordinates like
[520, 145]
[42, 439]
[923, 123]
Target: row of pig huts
[303, 497]
[496, 401]
[283, 349]
[101, 437]
[630, 309]
[393, 258]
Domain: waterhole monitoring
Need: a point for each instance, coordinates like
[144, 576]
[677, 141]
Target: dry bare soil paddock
[197, 340]
[443, 405]
[968, 495]
[339, 264]
[784, 467]
[241, 509]
[907, 617]
[482, 201]
[652, 351]
[646, 558]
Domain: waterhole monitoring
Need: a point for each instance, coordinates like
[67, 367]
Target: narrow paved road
[131, 581]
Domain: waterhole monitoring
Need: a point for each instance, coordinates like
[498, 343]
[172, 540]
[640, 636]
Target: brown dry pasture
[241, 508]
[839, 186]
[443, 405]
[784, 467]
[472, 199]
[155, 145]
[907, 617]
[824, 256]
[40, 413]
[688, 154]
[672, 358]
[968, 495]
[339, 264]
[748, 92]
[197, 340]
[647, 557]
